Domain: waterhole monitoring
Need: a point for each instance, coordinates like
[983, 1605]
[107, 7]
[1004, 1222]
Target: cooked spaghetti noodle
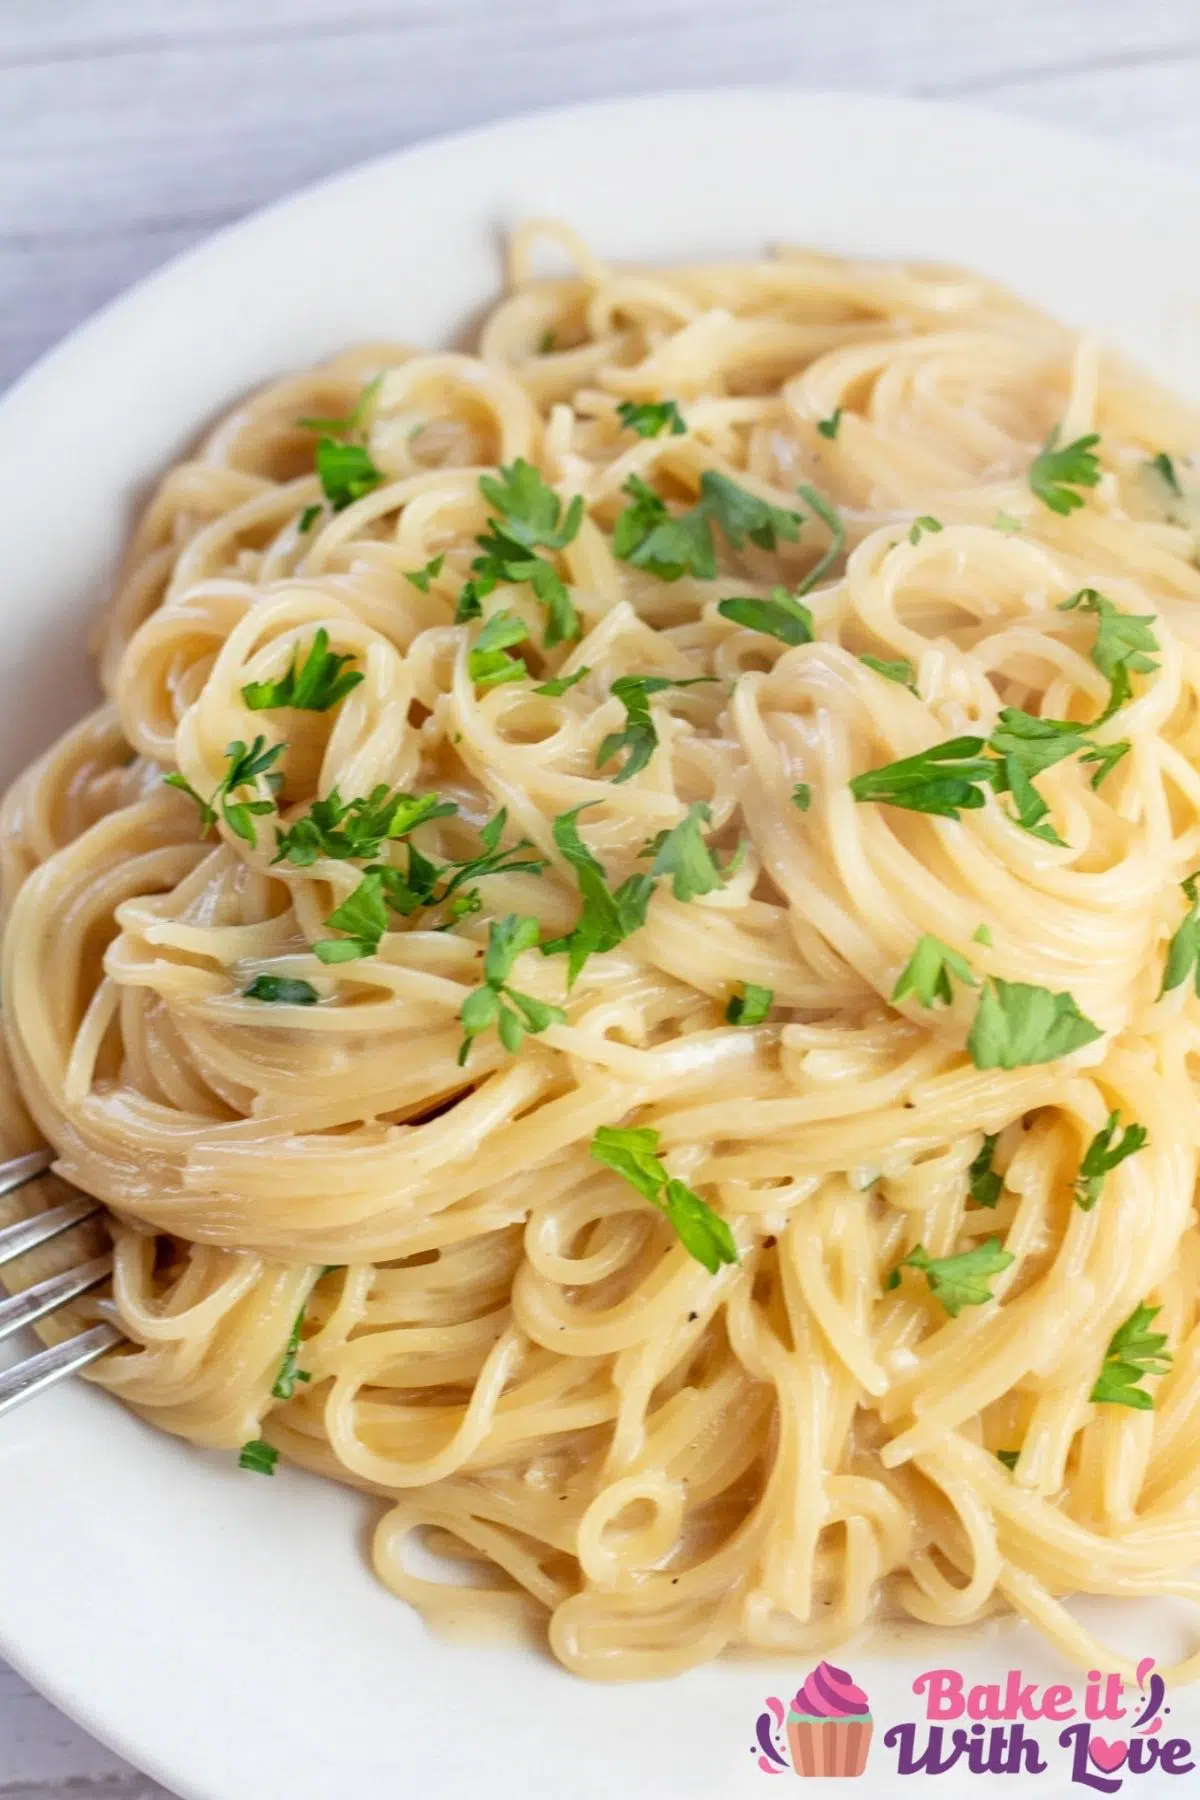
[826, 1244]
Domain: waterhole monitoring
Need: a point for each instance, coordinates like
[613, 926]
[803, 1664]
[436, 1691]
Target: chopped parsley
[632, 1152]
[920, 526]
[669, 545]
[362, 916]
[608, 917]
[984, 1182]
[951, 778]
[900, 671]
[1108, 1148]
[353, 421]
[1005, 521]
[829, 427]
[1133, 1352]
[639, 739]
[545, 343]
[421, 578]
[346, 472]
[683, 854]
[926, 975]
[1165, 468]
[957, 1281]
[312, 685]
[350, 830]
[1057, 475]
[751, 1006]
[496, 1003]
[258, 1456]
[650, 418]
[488, 661]
[1125, 644]
[1009, 1458]
[1017, 1025]
[289, 1370]
[248, 765]
[309, 517]
[531, 518]
[802, 796]
[782, 616]
[982, 934]
[1183, 955]
[281, 990]
[560, 684]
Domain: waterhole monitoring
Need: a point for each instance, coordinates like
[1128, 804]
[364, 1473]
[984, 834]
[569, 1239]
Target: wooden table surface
[130, 128]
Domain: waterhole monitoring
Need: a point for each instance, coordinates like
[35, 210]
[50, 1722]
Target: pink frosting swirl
[829, 1693]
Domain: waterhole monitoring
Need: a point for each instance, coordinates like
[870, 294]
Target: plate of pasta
[617, 929]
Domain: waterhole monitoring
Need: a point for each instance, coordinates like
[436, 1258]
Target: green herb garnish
[421, 578]
[639, 737]
[560, 684]
[352, 421]
[247, 766]
[309, 517]
[312, 685]
[1056, 475]
[1108, 1148]
[751, 1006]
[1164, 467]
[1009, 1458]
[649, 418]
[1183, 955]
[346, 472]
[957, 1281]
[531, 518]
[488, 661]
[1125, 644]
[900, 671]
[829, 427]
[353, 830]
[802, 796]
[258, 1456]
[496, 1003]
[920, 526]
[926, 975]
[985, 1184]
[1017, 1025]
[683, 854]
[608, 917]
[632, 1152]
[281, 990]
[782, 616]
[1133, 1353]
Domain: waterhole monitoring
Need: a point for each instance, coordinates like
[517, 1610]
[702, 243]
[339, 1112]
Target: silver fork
[44, 1367]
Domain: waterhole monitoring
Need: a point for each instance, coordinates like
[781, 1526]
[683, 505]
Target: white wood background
[130, 128]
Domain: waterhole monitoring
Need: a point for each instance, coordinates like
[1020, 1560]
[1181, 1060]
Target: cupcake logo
[827, 1727]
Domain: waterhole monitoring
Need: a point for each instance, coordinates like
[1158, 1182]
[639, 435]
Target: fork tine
[19, 1169]
[35, 1302]
[34, 1373]
[39, 1228]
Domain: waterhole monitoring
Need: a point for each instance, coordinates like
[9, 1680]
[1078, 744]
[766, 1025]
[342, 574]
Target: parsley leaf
[1165, 468]
[1009, 1458]
[1017, 1025]
[488, 661]
[346, 471]
[944, 779]
[802, 796]
[920, 526]
[258, 1456]
[282, 990]
[1125, 644]
[982, 934]
[828, 428]
[926, 974]
[957, 1281]
[984, 1182]
[1183, 955]
[900, 671]
[363, 915]
[608, 917]
[1004, 521]
[357, 829]
[1133, 1352]
[751, 1006]
[353, 421]
[532, 512]
[421, 578]
[247, 765]
[1109, 1147]
[639, 738]
[632, 1152]
[1055, 475]
[782, 616]
[650, 537]
[683, 854]
[532, 517]
[741, 514]
[309, 517]
[496, 1003]
[650, 418]
[313, 685]
[559, 684]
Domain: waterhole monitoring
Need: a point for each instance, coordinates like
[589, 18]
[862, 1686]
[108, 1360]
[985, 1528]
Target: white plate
[224, 1632]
